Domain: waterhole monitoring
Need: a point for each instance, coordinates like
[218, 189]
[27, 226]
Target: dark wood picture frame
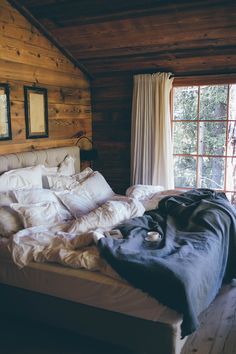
[36, 112]
[5, 113]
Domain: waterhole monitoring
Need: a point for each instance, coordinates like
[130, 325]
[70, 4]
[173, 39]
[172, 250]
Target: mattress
[86, 287]
[89, 288]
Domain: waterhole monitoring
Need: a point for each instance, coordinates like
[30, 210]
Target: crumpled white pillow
[10, 222]
[59, 182]
[6, 198]
[97, 186]
[78, 201]
[83, 174]
[28, 177]
[107, 216]
[67, 166]
[34, 196]
[38, 214]
[152, 201]
[141, 191]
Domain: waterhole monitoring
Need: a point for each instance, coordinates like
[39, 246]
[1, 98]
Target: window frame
[203, 81]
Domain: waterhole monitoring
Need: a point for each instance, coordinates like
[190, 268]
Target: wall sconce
[86, 154]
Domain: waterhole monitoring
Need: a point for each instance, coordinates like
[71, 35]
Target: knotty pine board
[27, 58]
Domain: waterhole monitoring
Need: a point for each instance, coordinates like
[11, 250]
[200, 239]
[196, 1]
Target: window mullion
[197, 153]
[226, 143]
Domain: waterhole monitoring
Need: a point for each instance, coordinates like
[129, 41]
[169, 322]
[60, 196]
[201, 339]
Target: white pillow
[78, 201]
[98, 187]
[38, 214]
[57, 182]
[10, 223]
[34, 196]
[28, 177]
[107, 216]
[152, 201]
[6, 198]
[83, 174]
[49, 170]
[67, 166]
[140, 191]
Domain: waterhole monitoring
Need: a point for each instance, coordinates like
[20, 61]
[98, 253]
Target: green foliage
[202, 138]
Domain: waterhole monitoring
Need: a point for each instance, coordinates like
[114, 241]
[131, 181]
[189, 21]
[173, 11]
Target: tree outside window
[204, 136]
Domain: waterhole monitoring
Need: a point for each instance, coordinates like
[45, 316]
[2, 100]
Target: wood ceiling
[115, 37]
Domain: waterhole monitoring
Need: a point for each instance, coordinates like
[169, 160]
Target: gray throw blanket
[197, 253]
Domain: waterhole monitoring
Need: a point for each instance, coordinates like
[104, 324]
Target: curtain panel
[151, 142]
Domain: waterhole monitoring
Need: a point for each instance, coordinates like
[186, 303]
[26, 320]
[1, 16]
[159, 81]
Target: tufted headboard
[48, 157]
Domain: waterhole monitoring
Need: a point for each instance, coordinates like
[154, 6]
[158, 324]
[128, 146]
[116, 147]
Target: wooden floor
[216, 335]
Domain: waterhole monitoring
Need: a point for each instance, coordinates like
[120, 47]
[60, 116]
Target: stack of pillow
[40, 195]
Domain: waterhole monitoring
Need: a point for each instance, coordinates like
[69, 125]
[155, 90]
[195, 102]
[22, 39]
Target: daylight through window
[204, 136]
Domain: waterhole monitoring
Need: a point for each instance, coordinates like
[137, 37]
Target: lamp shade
[88, 155]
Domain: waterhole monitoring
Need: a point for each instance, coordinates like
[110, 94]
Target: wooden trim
[204, 79]
[24, 12]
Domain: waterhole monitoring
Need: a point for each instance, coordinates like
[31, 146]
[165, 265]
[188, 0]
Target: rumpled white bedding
[71, 243]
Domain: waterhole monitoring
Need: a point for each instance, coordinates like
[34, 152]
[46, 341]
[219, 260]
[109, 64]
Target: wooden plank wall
[29, 58]
[111, 105]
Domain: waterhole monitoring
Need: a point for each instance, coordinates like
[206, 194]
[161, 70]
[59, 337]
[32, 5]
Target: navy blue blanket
[197, 253]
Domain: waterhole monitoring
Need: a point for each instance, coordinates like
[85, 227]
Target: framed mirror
[36, 112]
[5, 116]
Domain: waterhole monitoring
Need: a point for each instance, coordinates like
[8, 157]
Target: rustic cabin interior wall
[27, 58]
[111, 105]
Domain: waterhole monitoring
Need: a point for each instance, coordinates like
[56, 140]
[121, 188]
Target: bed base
[139, 335]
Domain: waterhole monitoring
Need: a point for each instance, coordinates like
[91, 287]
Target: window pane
[231, 174]
[231, 138]
[185, 102]
[211, 172]
[185, 137]
[213, 102]
[185, 171]
[232, 198]
[212, 136]
[232, 102]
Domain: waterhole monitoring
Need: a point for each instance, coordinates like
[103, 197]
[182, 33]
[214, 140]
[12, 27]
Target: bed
[98, 304]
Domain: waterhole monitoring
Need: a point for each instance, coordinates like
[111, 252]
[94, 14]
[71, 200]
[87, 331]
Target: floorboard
[217, 332]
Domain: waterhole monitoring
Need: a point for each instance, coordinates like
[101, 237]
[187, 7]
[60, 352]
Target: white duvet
[72, 243]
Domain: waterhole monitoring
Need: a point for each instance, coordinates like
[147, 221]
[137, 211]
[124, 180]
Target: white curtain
[151, 142]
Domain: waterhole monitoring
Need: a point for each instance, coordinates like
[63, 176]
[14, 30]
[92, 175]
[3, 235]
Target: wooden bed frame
[140, 335]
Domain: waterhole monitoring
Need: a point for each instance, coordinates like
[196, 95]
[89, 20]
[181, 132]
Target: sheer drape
[151, 143]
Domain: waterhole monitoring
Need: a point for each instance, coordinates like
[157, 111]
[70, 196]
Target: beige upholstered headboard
[48, 157]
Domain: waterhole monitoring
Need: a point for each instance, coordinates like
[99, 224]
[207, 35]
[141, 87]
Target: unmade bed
[80, 300]
[98, 302]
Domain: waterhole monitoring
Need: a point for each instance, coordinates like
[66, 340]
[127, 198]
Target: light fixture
[86, 154]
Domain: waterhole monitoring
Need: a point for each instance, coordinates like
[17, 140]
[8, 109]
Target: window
[204, 136]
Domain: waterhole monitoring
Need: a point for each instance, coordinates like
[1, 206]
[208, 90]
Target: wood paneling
[197, 37]
[111, 128]
[116, 39]
[28, 58]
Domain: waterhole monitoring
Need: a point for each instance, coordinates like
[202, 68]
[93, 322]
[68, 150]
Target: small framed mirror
[36, 112]
[5, 116]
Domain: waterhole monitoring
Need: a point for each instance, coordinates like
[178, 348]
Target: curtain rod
[187, 75]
